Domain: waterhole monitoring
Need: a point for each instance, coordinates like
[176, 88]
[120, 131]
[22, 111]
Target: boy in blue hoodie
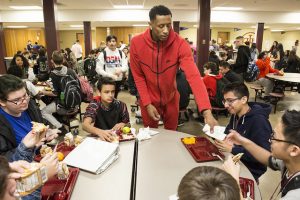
[250, 119]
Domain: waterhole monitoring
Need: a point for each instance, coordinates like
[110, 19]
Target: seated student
[263, 63]
[105, 114]
[9, 172]
[249, 119]
[17, 111]
[285, 155]
[207, 182]
[211, 75]
[230, 75]
[56, 76]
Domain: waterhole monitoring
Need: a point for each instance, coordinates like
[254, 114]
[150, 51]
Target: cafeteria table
[162, 162]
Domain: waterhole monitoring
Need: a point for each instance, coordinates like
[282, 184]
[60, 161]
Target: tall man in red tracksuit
[155, 57]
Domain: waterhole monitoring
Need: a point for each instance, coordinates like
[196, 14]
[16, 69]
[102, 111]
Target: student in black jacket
[230, 75]
[243, 56]
[251, 120]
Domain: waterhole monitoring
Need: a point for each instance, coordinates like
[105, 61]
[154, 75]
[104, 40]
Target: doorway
[223, 37]
[80, 37]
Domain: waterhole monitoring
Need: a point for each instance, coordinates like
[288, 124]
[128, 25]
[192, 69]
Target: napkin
[218, 132]
[146, 133]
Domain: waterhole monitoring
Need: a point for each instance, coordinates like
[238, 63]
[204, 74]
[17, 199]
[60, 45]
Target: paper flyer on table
[218, 132]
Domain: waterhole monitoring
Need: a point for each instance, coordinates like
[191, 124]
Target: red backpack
[86, 89]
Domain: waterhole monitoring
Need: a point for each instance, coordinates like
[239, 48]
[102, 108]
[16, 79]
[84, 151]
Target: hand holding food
[237, 157]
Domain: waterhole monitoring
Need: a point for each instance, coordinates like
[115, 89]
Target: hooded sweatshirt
[210, 82]
[154, 66]
[255, 126]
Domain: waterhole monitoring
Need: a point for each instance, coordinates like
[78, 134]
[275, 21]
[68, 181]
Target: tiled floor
[270, 179]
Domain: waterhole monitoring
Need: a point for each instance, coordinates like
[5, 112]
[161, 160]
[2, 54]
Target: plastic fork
[216, 155]
[248, 193]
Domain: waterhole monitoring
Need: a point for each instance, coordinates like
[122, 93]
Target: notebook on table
[93, 155]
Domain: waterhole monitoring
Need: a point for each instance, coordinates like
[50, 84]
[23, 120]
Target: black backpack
[70, 96]
[252, 72]
[90, 68]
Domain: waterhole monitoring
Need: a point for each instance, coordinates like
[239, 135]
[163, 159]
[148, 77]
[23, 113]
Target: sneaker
[180, 123]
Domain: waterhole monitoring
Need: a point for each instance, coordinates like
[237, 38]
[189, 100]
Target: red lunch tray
[202, 150]
[244, 184]
[121, 139]
[55, 189]
[62, 147]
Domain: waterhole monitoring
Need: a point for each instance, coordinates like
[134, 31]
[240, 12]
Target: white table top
[287, 77]
[113, 184]
[163, 161]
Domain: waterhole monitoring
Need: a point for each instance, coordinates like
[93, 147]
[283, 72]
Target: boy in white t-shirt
[112, 62]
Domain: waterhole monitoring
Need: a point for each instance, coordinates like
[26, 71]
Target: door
[223, 37]
[80, 37]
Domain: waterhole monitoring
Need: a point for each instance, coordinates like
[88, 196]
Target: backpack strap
[292, 185]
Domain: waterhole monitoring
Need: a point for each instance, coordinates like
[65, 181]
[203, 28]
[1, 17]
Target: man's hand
[209, 119]
[224, 146]
[105, 135]
[18, 167]
[51, 163]
[235, 138]
[118, 126]
[231, 168]
[152, 112]
[52, 134]
[33, 139]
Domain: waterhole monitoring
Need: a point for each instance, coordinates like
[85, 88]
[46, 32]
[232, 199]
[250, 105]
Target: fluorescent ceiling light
[26, 7]
[227, 8]
[16, 26]
[140, 25]
[196, 26]
[76, 26]
[128, 6]
[277, 30]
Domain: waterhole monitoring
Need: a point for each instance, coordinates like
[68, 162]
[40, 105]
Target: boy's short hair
[208, 183]
[239, 89]
[9, 83]
[291, 126]
[57, 57]
[224, 64]
[110, 37]
[212, 66]
[239, 37]
[159, 10]
[5, 170]
[105, 81]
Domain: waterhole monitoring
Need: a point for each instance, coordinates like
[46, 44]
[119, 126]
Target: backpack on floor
[70, 96]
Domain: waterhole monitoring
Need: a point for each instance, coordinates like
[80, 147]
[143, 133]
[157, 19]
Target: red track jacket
[154, 66]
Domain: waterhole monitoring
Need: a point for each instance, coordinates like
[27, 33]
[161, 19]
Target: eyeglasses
[278, 140]
[229, 101]
[19, 100]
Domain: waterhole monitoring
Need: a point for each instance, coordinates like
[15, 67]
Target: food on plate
[126, 130]
[78, 139]
[237, 157]
[45, 150]
[60, 156]
[69, 139]
[189, 140]
[32, 178]
[39, 127]
[63, 171]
